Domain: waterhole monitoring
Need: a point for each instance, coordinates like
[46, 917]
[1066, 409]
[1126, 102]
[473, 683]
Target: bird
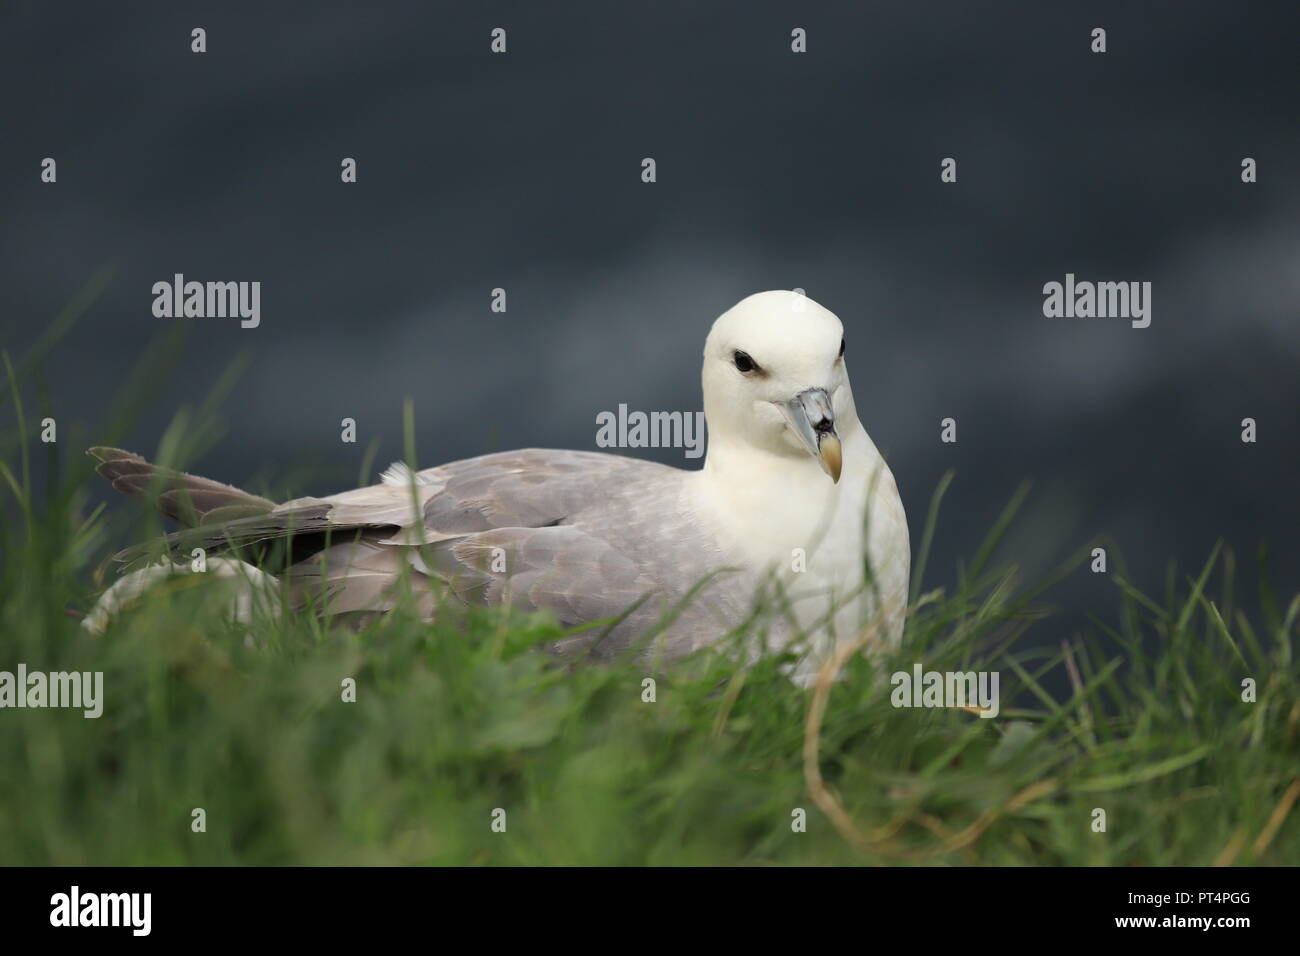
[793, 509]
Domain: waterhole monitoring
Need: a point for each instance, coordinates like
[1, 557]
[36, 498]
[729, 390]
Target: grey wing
[530, 488]
[575, 575]
[561, 531]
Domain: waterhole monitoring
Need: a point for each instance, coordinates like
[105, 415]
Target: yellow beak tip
[832, 457]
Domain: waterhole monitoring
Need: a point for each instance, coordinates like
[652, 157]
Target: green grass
[458, 718]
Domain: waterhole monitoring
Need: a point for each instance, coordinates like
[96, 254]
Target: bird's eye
[743, 361]
[841, 348]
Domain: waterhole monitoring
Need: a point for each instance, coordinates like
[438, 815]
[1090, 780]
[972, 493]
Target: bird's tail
[188, 500]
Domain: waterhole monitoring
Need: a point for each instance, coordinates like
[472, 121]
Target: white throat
[787, 513]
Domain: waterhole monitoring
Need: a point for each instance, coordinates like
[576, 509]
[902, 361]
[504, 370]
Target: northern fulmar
[794, 509]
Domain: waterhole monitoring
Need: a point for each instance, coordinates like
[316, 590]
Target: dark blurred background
[775, 170]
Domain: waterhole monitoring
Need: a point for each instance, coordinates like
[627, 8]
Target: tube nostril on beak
[811, 417]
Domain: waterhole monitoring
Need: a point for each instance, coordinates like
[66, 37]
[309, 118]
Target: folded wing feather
[538, 529]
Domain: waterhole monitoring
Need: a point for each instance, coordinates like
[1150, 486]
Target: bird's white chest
[817, 538]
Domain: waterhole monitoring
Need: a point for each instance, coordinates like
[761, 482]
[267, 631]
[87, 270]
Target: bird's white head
[775, 380]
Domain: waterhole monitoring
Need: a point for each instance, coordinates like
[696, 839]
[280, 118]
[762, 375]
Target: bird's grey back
[585, 535]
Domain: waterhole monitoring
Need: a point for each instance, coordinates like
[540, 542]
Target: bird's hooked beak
[812, 418]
